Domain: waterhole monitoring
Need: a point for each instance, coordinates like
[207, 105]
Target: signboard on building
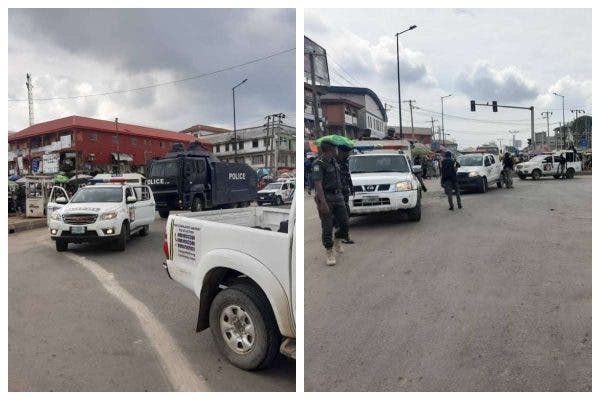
[51, 163]
[35, 165]
[65, 141]
[20, 163]
[319, 56]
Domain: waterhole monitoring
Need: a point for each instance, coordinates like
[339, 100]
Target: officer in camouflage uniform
[343, 155]
[330, 200]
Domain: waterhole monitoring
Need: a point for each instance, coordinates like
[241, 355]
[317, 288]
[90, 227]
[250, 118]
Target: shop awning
[122, 157]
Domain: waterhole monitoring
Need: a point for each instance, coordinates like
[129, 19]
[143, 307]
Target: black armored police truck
[196, 180]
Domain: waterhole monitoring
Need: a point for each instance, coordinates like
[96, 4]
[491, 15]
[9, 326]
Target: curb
[26, 225]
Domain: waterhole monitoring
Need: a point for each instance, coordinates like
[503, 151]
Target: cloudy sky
[516, 57]
[82, 52]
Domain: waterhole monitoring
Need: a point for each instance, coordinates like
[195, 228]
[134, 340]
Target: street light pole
[564, 127]
[398, 69]
[443, 131]
[118, 146]
[234, 122]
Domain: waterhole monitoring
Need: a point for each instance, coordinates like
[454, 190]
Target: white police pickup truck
[549, 165]
[384, 181]
[240, 264]
[478, 171]
[276, 193]
[107, 212]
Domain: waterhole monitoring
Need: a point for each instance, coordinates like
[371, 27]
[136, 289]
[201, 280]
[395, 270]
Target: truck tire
[414, 214]
[484, 185]
[499, 183]
[522, 177]
[259, 203]
[243, 327]
[121, 243]
[196, 204]
[164, 214]
[536, 174]
[570, 173]
[556, 176]
[278, 201]
[62, 245]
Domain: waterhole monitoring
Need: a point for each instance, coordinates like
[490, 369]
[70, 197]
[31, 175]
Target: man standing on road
[330, 200]
[563, 165]
[343, 155]
[449, 179]
[507, 163]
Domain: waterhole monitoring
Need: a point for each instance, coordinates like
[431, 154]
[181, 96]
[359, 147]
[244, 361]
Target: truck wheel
[164, 214]
[259, 203]
[244, 327]
[570, 173]
[536, 174]
[484, 185]
[121, 243]
[414, 214]
[196, 204]
[499, 183]
[278, 201]
[556, 176]
[522, 177]
[62, 245]
[145, 230]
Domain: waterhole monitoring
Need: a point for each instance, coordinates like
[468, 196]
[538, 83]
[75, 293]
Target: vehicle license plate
[77, 230]
[370, 199]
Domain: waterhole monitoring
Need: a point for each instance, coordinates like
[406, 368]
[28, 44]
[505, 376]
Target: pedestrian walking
[507, 169]
[308, 168]
[563, 166]
[330, 201]
[343, 155]
[419, 161]
[449, 180]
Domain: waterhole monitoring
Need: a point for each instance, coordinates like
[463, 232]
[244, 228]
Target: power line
[204, 75]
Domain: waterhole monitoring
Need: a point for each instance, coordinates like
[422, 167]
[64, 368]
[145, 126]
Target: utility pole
[500, 141]
[267, 143]
[443, 131]
[30, 98]
[118, 146]
[564, 127]
[432, 131]
[547, 114]
[235, 143]
[315, 106]
[412, 127]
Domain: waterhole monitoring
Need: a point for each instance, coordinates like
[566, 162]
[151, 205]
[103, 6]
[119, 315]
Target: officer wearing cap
[330, 200]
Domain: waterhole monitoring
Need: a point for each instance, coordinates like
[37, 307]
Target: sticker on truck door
[185, 242]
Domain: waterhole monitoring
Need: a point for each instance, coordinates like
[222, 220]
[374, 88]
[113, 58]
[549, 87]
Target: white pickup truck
[240, 263]
[384, 182]
[276, 193]
[478, 171]
[549, 165]
[108, 212]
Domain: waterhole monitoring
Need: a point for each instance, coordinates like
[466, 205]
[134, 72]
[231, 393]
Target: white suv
[384, 182]
[103, 212]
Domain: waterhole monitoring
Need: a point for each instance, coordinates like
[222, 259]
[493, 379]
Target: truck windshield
[273, 186]
[163, 169]
[471, 160]
[389, 163]
[98, 195]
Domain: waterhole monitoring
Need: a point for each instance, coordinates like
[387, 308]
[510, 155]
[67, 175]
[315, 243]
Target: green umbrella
[420, 151]
[12, 184]
[337, 140]
[61, 179]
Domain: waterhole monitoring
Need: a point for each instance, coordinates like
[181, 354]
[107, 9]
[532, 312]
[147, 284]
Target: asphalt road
[69, 329]
[494, 297]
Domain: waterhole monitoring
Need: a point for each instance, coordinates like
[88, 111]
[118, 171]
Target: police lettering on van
[237, 176]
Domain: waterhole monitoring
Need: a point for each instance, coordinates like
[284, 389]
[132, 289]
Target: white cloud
[578, 94]
[484, 82]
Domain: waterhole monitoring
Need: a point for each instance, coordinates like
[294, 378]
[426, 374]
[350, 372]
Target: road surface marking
[179, 371]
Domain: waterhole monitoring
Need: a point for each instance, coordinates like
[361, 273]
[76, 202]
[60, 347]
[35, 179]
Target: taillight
[166, 246]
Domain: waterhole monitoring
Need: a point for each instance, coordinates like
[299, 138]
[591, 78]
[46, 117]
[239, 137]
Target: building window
[162, 144]
[258, 159]
[241, 146]
[226, 146]
[255, 143]
[94, 137]
[133, 141]
[218, 148]
[115, 139]
[266, 142]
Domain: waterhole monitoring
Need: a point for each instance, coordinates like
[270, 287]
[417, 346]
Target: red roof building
[88, 144]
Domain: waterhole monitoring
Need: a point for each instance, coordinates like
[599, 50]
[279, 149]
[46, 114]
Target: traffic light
[529, 142]
[494, 106]
[472, 105]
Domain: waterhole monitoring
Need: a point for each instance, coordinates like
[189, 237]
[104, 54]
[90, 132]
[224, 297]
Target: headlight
[403, 185]
[55, 216]
[109, 215]
[473, 173]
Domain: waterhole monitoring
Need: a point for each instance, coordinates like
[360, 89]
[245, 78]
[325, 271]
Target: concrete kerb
[25, 225]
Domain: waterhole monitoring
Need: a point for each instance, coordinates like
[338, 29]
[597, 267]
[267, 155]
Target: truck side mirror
[417, 169]
[130, 199]
[61, 200]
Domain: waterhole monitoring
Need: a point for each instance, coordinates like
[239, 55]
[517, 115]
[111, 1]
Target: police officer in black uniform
[343, 154]
[330, 200]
